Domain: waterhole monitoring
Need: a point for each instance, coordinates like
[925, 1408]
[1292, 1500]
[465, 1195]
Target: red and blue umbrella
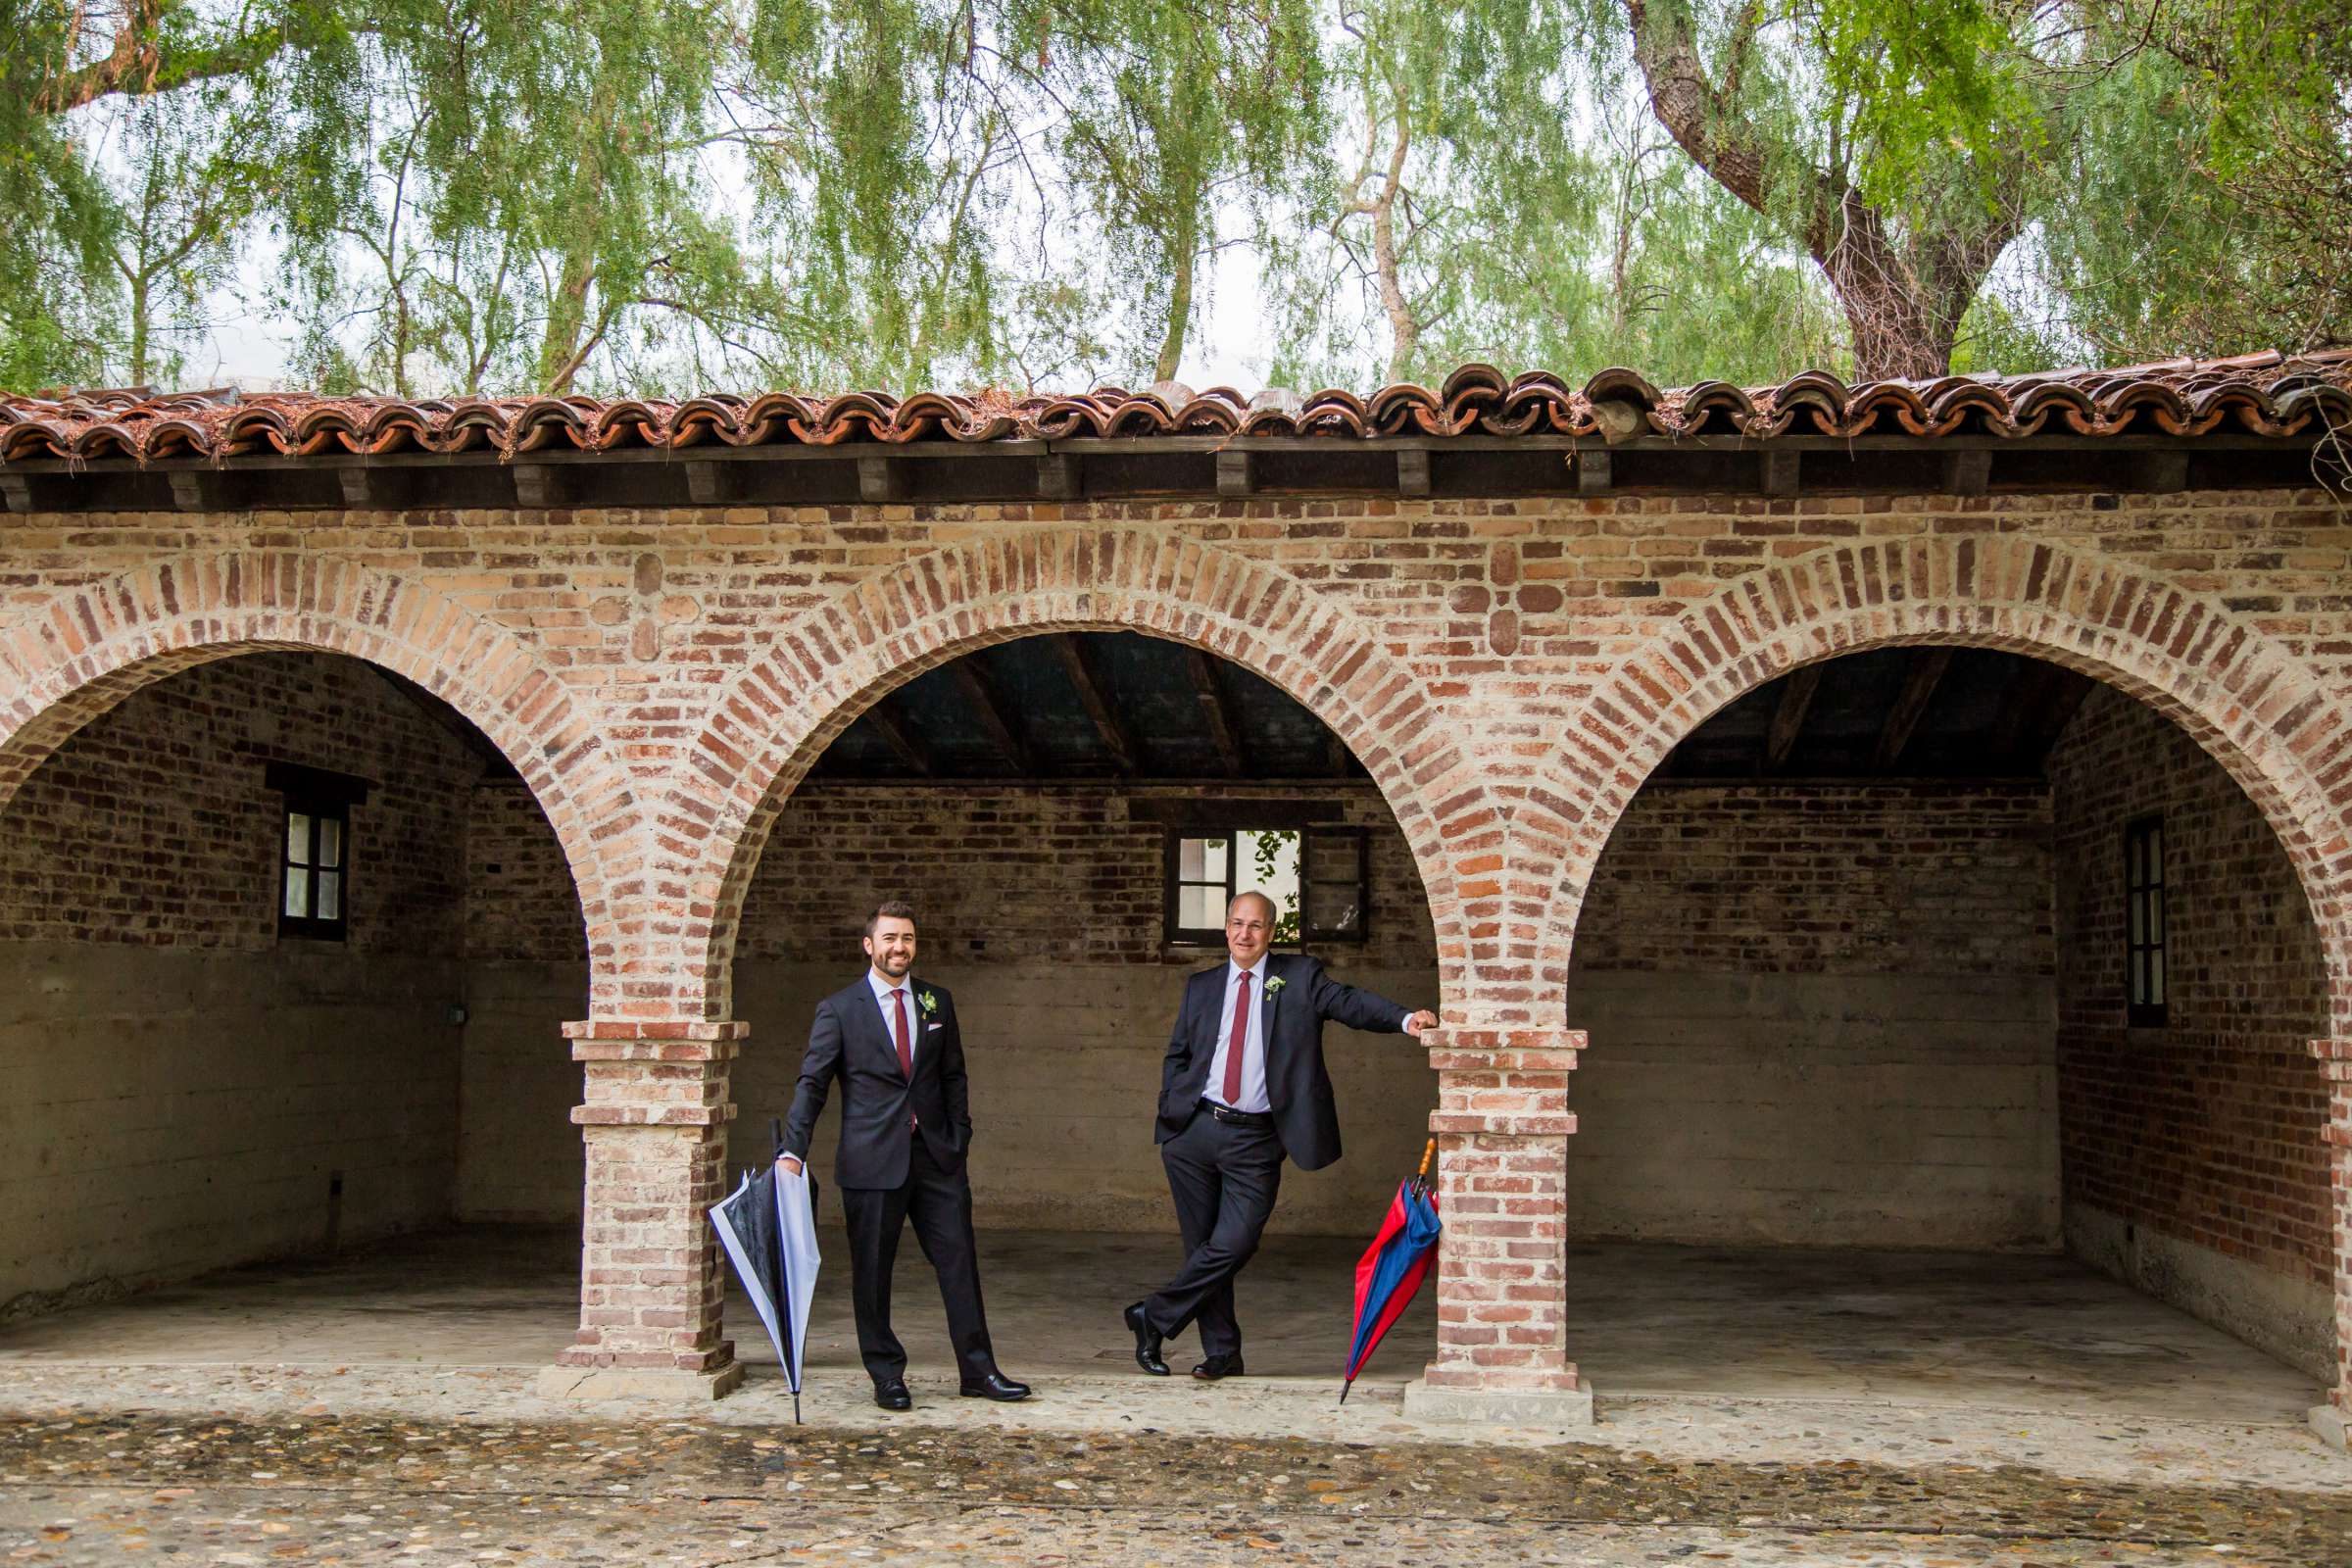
[1391, 1267]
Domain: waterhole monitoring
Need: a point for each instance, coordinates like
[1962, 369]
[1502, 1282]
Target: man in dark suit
[906, 1125]
[1243, 1087]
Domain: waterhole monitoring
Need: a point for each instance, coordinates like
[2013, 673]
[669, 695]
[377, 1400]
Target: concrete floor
[1924, 1329]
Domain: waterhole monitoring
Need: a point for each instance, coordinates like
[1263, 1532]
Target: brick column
[2333, 1420]
[1502, 1124]
[654, 1122]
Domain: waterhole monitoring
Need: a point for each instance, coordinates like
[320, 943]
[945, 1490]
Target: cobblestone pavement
[90, 1487]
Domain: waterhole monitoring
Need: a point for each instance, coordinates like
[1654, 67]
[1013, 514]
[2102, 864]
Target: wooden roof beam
[1789, 717]
[2037, 712]
[988, 704]
[1926, 672]
[1214, 712]
[903, 742]
[1078, 662]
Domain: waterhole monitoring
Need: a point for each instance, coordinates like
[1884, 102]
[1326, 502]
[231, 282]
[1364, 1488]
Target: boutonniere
[928, 1003]
[1274, 983]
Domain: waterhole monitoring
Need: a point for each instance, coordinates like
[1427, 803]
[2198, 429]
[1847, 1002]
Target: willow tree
[1481, 200]
[1156, 116]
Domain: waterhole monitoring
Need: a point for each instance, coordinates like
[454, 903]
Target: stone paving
[371, 1411]
[91, 1488]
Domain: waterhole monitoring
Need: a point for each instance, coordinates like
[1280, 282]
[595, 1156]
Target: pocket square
[929, 1027]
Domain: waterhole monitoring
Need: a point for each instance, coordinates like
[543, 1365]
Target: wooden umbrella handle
[1429, 1153]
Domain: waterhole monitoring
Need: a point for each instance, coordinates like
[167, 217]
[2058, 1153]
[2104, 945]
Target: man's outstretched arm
[1365, 1010]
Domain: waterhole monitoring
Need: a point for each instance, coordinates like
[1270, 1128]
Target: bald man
[1244, 1087]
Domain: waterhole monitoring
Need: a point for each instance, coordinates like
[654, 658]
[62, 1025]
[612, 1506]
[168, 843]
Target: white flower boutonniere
[1274, 983]
[928, 1003]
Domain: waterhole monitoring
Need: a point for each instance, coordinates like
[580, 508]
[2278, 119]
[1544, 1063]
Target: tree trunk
[1183, 255]
[138, 329]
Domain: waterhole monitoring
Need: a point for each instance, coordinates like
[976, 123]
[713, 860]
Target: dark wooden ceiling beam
[1214, 712]
[1926, 672]
[902, 740]
[988, 706]
[1078, 662]
[1788, 716]
[496, 764]
[2038, 712]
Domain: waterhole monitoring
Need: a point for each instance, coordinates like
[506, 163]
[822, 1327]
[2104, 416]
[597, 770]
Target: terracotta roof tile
[2259, 394]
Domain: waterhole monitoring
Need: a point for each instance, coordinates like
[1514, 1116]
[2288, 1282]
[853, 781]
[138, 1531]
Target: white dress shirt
[1254, 1047]
[883, 990]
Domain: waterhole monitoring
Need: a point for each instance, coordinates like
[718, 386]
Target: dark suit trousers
[1223, 1178]
[941, 1206]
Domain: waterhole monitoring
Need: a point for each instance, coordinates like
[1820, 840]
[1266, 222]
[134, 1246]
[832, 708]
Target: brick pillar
[2333, 1420]
[655, 1122]
[1502, 1124]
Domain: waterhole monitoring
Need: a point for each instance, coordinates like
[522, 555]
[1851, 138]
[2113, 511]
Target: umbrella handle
[1429, 1151]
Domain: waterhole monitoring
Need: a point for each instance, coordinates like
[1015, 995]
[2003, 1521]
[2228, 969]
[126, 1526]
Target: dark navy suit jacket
[1305, 1116]
[849, 1040]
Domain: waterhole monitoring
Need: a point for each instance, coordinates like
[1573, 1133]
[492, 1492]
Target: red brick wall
[1820, 1016]
[155, 826]
[1058, 873]
[2207, 1130]
[520, 900]
[1825, 879]
[183, 1087]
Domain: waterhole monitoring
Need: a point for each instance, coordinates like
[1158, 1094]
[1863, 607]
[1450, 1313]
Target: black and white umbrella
[769, 1228]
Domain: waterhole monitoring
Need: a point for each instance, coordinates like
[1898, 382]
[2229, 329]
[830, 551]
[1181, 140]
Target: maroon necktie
[1239, 1043]
[898, 1007]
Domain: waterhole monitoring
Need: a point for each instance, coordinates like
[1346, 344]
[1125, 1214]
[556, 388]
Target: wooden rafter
[2037, 715]
[1213, 711]
[979, 689]
[883, 717]
[495, 762]
[1926, 672]
[1789, 717]
[1078, 662]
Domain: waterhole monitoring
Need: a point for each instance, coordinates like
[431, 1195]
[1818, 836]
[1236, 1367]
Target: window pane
[298, 891]
[2155, 979]
[331, 841]
[1331, 908]
[1212, 860]
[330, 896]
[2156, 920]
[1200, 907]
[2138, 905]
[298, 838]
[2156, 852]
[1269, 864]
[1188, 861]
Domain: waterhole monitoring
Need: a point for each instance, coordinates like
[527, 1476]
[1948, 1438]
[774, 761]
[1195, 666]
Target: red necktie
[898, 1007]
[1239, 1043]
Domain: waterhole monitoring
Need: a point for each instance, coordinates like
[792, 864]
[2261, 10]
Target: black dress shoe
[893, 1395]
[1146, 1341]
[995, 1386]
[1218, 1366]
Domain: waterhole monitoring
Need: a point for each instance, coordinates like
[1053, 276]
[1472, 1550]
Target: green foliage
[1266, 858]
[458, 196]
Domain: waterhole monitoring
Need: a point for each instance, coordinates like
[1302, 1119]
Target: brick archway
[2268, 719]
[835, 662]
[2264, 716]
[72, 660]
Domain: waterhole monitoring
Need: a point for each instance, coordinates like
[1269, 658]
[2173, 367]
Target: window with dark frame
[2144, 917]
[313, 885]
[1206, 865]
